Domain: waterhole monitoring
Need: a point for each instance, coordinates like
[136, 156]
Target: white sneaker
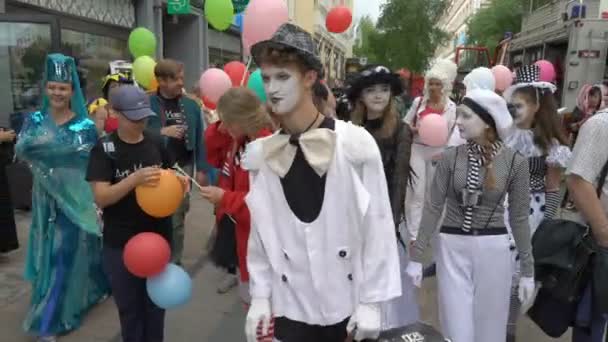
[227, 283]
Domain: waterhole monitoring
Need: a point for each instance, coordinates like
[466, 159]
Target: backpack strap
[602, 180]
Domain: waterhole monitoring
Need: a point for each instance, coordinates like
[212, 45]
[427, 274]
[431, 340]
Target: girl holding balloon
[373, 95]
[428, 144]
[242, 119]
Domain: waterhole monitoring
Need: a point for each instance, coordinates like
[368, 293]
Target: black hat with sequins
[528, 76]
[372, 75]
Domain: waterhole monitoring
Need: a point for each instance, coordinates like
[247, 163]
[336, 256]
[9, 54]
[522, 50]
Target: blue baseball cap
[132, 102]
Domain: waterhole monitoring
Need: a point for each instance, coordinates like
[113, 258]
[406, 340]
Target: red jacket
[224, 153]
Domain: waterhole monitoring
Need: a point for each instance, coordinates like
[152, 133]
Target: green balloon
[219, 13]
[142, 42]
[143, 70]
[256, 83]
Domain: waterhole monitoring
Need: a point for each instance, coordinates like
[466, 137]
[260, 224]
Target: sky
[367, 7]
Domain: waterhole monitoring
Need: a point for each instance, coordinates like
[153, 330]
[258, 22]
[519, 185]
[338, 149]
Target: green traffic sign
[239, 5]
[178, 6]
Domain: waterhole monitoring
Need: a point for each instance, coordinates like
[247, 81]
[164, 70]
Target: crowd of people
[325, 206]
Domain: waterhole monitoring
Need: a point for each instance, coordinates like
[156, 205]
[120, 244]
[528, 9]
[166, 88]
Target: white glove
[366, 322]
[527, 293]
[414, 271]
[258, 312]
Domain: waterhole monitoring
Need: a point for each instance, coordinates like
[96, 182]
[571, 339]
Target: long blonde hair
[390, 118]
[240, 106]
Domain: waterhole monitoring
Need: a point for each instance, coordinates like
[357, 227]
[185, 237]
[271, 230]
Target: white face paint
[470, 125]
[283, 87]
[523, 110]
[376, 97]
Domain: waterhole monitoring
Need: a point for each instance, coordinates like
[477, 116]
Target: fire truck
[571, 34]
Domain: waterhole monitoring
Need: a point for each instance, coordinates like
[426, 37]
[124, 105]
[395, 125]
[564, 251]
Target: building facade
[454, 22]
[333, 48]
[95, 32]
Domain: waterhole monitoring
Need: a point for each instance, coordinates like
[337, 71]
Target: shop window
[218, 57]
[23, 48]
[92, 53]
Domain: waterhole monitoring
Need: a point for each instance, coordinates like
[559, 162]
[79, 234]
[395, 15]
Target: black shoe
[430, 271]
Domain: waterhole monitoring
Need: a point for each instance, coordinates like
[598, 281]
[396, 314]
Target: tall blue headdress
[61, 68]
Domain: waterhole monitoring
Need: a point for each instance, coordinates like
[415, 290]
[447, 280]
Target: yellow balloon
[143, 70]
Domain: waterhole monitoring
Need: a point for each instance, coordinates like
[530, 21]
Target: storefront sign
[178, 6]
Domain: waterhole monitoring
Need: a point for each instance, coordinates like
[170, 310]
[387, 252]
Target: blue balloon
[171, 288]
[238, 21]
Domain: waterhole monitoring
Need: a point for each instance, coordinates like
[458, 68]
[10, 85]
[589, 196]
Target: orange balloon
[163, 199]
[153, 84]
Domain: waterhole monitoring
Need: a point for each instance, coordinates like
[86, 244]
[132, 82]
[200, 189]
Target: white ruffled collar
[522, 141]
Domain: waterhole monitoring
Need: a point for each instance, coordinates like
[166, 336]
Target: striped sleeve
[433, 206]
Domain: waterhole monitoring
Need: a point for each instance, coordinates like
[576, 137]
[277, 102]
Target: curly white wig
[444, 70]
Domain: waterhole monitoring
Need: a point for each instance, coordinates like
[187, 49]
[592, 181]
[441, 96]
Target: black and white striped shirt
[451, 178]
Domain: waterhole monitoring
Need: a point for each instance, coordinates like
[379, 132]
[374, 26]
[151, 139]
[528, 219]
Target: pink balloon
[261, 20]
[214, 83]
[433, 130]
[547, 70]
[503, 77]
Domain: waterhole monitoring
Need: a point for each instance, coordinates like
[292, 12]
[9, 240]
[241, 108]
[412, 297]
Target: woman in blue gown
[64, 253]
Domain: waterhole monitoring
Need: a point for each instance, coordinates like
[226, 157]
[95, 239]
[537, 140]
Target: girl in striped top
[474, 268]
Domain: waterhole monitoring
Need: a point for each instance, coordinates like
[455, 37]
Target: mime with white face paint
[322, 252]
[474, 269]
[373, 93]
[538, 136]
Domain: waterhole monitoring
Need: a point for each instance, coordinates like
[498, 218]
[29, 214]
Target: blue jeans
[590, 325]
[140, 319]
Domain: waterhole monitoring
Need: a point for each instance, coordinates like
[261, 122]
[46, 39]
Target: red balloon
[208, 104]
[339, 19]
[235, 71]
[146, 254]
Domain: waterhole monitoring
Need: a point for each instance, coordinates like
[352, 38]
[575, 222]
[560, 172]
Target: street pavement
[208, 317]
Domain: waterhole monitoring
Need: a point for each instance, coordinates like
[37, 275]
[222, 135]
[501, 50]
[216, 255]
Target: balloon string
[246, 70]
[183, 173]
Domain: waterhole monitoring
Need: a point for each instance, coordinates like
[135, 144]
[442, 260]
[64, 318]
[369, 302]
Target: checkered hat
[291, 37]
[528, 76]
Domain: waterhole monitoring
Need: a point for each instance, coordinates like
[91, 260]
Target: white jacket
[318, 273]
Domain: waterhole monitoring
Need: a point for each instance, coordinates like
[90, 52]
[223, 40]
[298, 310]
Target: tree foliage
[406, 34]
[489, 25]
[367, 33]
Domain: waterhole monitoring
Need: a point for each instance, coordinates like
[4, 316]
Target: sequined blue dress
[64, 252]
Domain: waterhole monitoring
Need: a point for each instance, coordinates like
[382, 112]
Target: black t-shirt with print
[173, 114]
[112, 160]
